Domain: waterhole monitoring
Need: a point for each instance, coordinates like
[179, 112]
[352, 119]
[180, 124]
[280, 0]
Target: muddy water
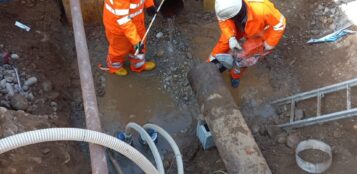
[139, 98]
[131, 99]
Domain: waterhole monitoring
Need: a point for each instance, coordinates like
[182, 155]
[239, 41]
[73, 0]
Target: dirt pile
[54, 157]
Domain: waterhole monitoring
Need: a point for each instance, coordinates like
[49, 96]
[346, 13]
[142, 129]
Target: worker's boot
[139, 64]
[121, 72]
[117, 69]
[148, 66]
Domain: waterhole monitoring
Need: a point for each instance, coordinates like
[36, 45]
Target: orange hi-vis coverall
[124, 27]
[263, 21]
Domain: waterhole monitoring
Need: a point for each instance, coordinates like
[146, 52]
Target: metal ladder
[319, 94]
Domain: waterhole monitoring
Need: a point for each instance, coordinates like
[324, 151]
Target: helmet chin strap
[241, 18]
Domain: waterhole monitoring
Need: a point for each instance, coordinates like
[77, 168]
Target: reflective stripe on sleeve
[280, 26]
[118, 12]
[134, 6]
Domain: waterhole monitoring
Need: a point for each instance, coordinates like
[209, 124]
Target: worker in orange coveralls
[125, 28]
[252, 19]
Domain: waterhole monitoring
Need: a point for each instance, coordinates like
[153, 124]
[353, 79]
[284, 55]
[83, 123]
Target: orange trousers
[119, 48]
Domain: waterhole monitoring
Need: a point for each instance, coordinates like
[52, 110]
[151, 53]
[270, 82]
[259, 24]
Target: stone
[25, 88]
[54, 106]
[337, 133]
[160, 53]
[10, 89]
[159, 35]
[47, 86]
[38, 160]
[30, 96]
[15, 56]
[281, 138]
[46, 151]
[19, 102]
[299, 114]
[273, 131]
[30, 81]
[53, 95]
[189, 55]
[11, 170]
[292, 140]
[255, 128]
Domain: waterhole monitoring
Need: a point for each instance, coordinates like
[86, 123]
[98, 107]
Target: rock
[281, 138]
[159, 35]
[166, 163]
[292, 140]
[38, 160]
[25, 87]
[255, 128]
[19, 102]
[30, 81]
[337, 133]
[9, 129]
[189, 55]
[53, 95]
[15, 56]
[131, 116]
[30, 96]
[54, 106]
[10, 89]
[11, 170]
[273, 131]
[160, 53]
[299, 114]
[47, 86]
[46, 151]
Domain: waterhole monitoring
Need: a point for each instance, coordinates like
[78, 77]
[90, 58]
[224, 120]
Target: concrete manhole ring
[311, 167]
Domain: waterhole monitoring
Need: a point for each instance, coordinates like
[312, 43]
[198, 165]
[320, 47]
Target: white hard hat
[226, 9]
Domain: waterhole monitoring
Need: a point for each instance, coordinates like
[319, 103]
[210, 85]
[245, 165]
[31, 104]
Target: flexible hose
[75, 134]
[147, 138]
[172, 143]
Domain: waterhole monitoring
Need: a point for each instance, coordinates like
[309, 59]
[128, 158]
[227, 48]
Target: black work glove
[139, 46]
[151, 11]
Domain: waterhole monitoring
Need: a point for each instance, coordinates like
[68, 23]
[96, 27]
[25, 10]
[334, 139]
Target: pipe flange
[309, 166]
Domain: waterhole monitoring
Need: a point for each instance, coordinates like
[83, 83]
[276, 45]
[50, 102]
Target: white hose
[147, 138]
[75, 134]
[172, 143]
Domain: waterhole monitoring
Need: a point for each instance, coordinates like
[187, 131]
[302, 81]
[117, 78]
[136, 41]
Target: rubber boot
[121, 72]
[148, 66]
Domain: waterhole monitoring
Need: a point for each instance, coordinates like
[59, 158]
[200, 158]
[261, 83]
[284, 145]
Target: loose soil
[46, 52]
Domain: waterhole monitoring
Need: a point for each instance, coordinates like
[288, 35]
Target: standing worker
[125, 28]
[255, 20]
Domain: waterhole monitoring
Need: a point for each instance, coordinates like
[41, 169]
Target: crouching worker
[125, 28]
[258, 21]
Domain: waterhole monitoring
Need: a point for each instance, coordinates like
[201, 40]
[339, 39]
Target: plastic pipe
[172, 143]
[147, 138]
[75, 134]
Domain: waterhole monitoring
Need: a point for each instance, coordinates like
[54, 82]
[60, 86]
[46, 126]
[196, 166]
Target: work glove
[233, 44]
[151, 11]
[139, 46]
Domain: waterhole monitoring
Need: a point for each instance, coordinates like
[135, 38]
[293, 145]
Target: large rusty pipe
[97, 155]
[233, 139]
